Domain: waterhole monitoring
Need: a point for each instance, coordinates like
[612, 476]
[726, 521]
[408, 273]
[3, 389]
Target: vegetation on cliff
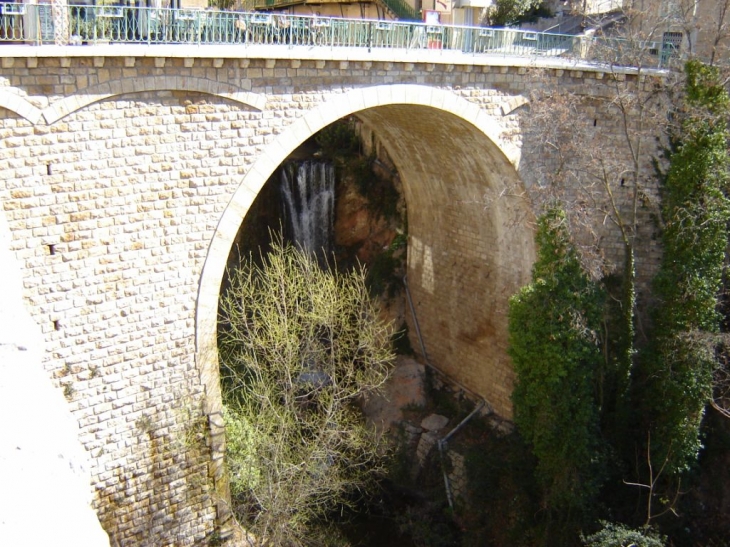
[679, 362]
[559, 354]
[554, 326]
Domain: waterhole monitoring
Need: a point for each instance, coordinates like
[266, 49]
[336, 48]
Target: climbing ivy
[695, 212]
[553, 342]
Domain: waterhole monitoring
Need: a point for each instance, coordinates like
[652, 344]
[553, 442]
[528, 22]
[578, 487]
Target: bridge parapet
[41, 24]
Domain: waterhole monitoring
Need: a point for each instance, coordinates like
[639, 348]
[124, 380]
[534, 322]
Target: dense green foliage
[299, 346]
[695, 212]
[553, 339]
[619, 535]
[510, 12]
[338, 141]
[650, 408]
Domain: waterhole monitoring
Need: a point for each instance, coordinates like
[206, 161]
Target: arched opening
[470, 243]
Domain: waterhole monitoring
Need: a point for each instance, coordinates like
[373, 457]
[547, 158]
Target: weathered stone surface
[405, 388]
[353, 224]
[412, 433]
[457, 475]
[434, 422]
[428, 441]
[361, 226]
[44, 471]
[124, 184]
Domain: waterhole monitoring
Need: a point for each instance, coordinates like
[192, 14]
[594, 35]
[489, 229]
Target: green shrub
[338, 141]
[619, 535]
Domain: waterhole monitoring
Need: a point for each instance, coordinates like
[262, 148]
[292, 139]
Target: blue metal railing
[77, 25]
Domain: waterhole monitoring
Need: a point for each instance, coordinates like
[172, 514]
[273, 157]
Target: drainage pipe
[442, 444]
[481, 404]
[425, 354]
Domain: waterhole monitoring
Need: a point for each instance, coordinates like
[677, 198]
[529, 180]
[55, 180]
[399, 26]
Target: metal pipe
[425, 354]
[481, 404]
[447, 483]
[415, 323]
[476, 409]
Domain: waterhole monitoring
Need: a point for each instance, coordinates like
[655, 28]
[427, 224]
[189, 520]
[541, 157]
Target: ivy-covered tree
[695, 213]
[554, 345]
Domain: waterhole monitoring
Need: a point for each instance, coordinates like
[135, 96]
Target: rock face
[404, 388]
[46, 489]
[358, 225]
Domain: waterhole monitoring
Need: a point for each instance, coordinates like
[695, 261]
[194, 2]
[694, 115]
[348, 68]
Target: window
[671, 44]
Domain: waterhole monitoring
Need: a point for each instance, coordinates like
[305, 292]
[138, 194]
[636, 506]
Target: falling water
[308, 189]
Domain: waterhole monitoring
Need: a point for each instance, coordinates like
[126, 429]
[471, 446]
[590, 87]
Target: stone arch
[21, 106]
[92, 94]
[100, 92]
[452, 158]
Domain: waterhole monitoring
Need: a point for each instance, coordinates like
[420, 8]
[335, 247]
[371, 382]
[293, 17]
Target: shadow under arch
[470, 232]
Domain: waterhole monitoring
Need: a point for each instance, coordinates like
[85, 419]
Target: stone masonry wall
[124, 180]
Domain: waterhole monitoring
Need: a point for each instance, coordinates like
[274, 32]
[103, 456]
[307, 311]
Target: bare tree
[299, 347]
[660, 33]
[721, 392]
[600, 169]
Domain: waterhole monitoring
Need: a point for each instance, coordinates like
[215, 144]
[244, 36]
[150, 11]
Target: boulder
[434, 422]
[404, 389]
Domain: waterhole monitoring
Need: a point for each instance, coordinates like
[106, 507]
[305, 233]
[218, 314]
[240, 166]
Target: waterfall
[308, 189]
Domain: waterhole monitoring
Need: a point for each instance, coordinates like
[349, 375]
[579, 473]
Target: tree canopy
[299, 346]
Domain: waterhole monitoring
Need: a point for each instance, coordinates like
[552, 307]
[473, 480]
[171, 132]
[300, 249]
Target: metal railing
[38, 24]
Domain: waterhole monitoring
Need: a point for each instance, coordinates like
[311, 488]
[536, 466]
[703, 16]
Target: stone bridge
[125, 173]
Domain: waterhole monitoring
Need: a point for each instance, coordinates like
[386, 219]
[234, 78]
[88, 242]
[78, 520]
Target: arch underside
[470, 241]
[470, 244]
[470, 232]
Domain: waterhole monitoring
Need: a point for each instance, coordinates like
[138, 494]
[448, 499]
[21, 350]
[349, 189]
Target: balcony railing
[79, 25]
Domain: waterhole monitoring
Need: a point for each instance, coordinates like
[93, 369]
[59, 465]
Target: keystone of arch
[99, 92]
[274, 154]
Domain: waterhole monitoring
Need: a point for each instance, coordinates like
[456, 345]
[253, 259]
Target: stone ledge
[215, 51]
